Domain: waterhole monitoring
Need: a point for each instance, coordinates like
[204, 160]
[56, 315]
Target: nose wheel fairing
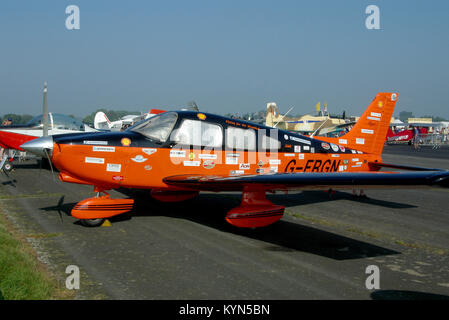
[101, 207]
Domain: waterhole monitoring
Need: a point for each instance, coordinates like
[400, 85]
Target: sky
[227, 56]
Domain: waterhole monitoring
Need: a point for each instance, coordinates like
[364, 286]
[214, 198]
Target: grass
[22, 276]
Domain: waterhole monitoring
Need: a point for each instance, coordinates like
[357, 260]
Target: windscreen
[158, 127]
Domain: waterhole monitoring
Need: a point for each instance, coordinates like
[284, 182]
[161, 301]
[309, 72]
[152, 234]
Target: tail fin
[101, 121]
[370, 131]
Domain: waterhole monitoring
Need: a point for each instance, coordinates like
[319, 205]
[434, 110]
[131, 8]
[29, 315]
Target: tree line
[113, 115]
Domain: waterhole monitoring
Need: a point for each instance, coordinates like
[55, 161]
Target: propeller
[45, 112]
[49, 161]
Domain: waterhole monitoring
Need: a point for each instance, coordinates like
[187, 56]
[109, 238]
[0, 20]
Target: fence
[433, 139]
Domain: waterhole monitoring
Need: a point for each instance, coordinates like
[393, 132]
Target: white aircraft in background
[101, 121]
[46, 124]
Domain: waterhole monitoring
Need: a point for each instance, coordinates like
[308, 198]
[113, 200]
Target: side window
[198, 133]
[241, 139]
[270, 143]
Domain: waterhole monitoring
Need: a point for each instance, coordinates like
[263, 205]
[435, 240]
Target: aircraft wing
[311, 181]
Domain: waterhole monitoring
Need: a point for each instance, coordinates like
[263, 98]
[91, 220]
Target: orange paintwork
[255, 211]
[101, 207]
[145, 168]
[368, 134]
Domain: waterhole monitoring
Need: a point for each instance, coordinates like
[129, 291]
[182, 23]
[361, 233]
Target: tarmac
[322, 248]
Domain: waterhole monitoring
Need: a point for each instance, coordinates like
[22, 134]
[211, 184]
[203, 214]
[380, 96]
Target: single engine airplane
[179, 154]
[13, 136]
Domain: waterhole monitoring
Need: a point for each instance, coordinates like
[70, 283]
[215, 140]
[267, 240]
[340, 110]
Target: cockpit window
[64, 122]
[158, 127]
[35, 122]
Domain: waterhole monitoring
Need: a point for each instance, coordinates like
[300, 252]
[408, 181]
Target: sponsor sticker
[117, 178]
[343, 149]
[207, 156]
[334, 147]
[149, 151]
[335, 155]
[113, 167]
[394, 96]
[191, 156]
[359, 152]
[126, 142]
[231, 160]
[201, 116]
[342, 141]
[192, 163]
[275, 161]
[353, 151]
[356, 166]
[94, 160]
[260, 163]
[289, 154]
[306, 148]
[297, 148]
[301, 156]
[355, 159]
[300, 140]
[177, 154]
[360, 140]
[103, 149]
[373, 118]
[260, 170]
[236, 172]
[367, 131]
[104, 143]
[345, 161]
[208, 164]
[312, 150]
[139, 158]
[285, 137]
[325, 145]
[148, 167]
[273, 169]
[235, 155]
[376, 114]
[244, 166]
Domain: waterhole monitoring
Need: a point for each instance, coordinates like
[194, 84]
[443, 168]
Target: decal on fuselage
[312, 165]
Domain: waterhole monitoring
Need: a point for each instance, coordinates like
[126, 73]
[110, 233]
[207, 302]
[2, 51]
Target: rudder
[370, 131]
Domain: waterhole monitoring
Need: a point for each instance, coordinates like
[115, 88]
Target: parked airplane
[13, 136]
[179, 154]
[101, 121]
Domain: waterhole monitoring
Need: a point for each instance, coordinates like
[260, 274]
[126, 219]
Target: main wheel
[92, 222]
[8, 167]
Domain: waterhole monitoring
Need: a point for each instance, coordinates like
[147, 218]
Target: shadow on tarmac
[210, 210]
[406, 295]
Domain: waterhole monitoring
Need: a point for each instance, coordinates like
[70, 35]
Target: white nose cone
[41, 146]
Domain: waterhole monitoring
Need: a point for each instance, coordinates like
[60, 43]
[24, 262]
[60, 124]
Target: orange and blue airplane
[179, 154]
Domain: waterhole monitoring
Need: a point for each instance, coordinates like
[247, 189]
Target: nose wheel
[92, 222]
